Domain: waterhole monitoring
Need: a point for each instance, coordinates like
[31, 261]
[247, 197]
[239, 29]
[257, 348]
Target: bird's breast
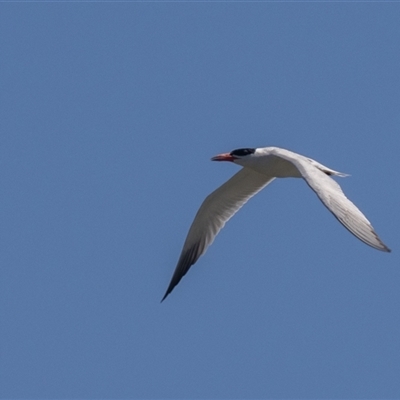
[275, 166]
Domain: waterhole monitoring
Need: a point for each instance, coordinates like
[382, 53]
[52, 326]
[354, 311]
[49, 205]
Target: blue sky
[110, 113]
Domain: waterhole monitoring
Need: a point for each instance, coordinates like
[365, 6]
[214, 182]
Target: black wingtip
[165, 296]
[186, 260]
[169, 290]
[171, 287]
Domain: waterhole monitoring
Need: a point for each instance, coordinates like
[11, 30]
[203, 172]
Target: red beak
[223, 157]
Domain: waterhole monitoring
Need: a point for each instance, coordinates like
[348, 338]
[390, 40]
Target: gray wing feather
[216, 210]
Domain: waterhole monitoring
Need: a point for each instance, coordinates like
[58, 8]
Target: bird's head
[238, 156]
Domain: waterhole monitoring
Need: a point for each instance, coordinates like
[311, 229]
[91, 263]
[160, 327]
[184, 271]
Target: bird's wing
[215, 211]
[331, 194]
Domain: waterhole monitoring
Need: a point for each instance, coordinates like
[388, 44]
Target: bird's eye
[242, 152]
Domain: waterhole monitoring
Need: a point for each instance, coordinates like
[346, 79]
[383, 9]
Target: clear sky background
[109, 115]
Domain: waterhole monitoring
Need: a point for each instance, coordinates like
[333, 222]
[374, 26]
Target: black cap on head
[242, 152]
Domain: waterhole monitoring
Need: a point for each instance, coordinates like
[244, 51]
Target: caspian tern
[260, 167]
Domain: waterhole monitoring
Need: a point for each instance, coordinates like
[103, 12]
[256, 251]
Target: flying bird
[260, 167]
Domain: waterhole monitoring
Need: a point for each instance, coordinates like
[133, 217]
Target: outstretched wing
[331, 194]
[216, 210]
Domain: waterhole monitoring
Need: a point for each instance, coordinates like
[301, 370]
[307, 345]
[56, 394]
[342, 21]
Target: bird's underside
[260, 167]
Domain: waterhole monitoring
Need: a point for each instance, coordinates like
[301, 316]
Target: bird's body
[260, 167]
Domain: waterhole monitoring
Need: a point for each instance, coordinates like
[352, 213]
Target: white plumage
[260, 167]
